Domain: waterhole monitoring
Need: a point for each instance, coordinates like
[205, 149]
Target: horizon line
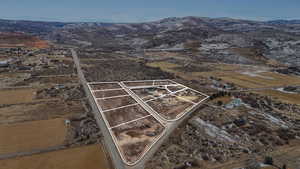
[55, 20]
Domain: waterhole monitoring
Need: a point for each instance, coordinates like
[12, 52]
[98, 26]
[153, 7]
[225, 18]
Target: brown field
[53, 80]
[289, 154]
[111, 103]
[28, 136]
[175, 88]
[134, 138]
[142, 83]
[21, 40]
[105, 86]
[164, 82]
[13, 78]
[170, 107]
[39, 111]
[190, 95]
[16, 96]
[86, 157]
[123, 115]
[150, 93]
[109, 93]
[165, 66]
[232, 73]
[226, 67]
[283, 97]
[266, 79]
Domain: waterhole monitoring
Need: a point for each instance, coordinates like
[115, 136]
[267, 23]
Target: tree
[268, 160]
[284, 166]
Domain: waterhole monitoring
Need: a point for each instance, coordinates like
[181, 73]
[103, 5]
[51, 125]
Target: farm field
[16, 96]
[39, 111]
[255, 80]
[231, 73]
[281, 96]
[28, 136]
[86, 157]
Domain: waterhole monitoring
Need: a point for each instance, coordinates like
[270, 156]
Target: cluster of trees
[268, 160]
[220, 94]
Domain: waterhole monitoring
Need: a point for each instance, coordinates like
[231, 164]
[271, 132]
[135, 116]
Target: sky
[146, 10]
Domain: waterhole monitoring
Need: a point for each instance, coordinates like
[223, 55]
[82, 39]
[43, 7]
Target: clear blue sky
[146, 10]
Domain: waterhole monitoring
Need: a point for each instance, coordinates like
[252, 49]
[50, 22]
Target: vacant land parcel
[137, 113]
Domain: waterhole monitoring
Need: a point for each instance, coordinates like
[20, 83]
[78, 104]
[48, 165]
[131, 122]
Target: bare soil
[118, 116]
[111, 103]
[190, 95]
[110, 93]
[169, 107]
[134, 138]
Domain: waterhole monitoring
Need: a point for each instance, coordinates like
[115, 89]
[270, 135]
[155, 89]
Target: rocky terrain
[220, 39]
[223, 39]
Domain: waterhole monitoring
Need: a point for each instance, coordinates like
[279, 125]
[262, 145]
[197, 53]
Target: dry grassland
[40, 111]
[261, 80]
[163, 65]
[28, 136]
[283, 97]
[16, 96]
[87, 157]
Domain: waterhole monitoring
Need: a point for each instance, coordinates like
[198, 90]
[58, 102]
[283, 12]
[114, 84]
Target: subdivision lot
[110, 93]
[137, 115]
[170, 107]
[126, 114]
[87, 157]
[175, 88]
[111, 103]
[134, 138]
[28, 136]
[190, 95]
[164, 82]
[139, 83]
[150, 92]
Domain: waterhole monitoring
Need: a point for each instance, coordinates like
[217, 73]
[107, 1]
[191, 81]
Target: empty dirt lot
[111, 103]
[30, 136]
[123, 115]
[170, 107]
[87, 157]
[134, 138]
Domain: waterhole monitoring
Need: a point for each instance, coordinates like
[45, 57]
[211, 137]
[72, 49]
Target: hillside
[222, 39]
